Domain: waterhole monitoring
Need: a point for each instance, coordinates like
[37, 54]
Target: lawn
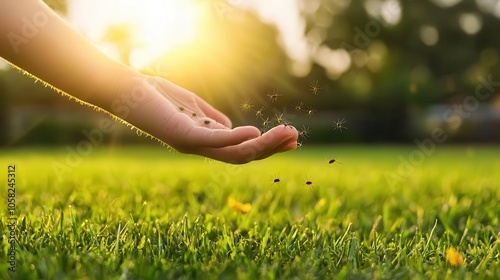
[377, 212]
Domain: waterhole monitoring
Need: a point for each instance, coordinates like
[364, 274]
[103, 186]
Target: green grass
[151, 214]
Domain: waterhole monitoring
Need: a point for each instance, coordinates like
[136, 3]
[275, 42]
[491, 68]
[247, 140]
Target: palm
[196, 127]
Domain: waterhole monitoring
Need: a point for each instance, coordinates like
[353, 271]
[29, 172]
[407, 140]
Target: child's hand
[190, 125]
[62, 58]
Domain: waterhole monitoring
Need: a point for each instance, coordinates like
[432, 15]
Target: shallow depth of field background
[416, 161]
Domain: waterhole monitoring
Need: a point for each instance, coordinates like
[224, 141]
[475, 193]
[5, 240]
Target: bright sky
[165, 24]
[159, 25]
[287, 18]
[162, 25]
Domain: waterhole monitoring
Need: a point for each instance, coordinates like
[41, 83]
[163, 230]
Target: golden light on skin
[4, 65]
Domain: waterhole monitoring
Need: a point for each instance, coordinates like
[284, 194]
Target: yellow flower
[238, 206]
[454, 258]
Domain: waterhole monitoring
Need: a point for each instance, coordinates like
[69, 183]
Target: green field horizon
[377, 212]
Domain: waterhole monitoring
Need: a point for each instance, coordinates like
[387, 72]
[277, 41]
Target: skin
[35, 39]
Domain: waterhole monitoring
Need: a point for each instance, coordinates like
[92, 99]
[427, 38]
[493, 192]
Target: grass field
[146, 213]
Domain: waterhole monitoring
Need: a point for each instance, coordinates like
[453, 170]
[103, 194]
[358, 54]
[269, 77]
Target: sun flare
[162, 26]
[151, 27]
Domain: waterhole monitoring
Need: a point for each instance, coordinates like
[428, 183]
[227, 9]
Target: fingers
[213, 113]
[202, 137]
[182, 97]
[287, 146]
[199, 128]
[276, 140]
[210, 123]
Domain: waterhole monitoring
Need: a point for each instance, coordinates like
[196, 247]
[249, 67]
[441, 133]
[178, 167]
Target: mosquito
[279, 118]
[259, 113]
[273, 95]
[309, 183]
[286, 123]
[333, 161]
[298, 106]
[304, 132]
[310, 111]
[315, 88]
[266, 124]
[276, 180]
[246, 105]
[339, 124]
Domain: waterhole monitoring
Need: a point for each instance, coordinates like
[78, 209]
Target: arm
[37, 40]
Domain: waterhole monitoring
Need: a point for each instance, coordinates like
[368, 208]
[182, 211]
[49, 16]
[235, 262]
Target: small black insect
[273, 95]
[339, 124]
[333, 161]
[315, 88]
[304, 132]
[310, 111]
[194, 115]
[279, 118]
[246, 105]
[309, 183]
[259, 113]
[266, 123]
[181, 109]
[276, 179]
[298, 106]
[207, 122]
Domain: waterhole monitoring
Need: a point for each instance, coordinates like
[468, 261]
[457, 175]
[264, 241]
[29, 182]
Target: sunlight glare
[163, 26]
[156, 26]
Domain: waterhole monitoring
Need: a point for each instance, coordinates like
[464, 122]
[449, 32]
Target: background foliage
[407, 63]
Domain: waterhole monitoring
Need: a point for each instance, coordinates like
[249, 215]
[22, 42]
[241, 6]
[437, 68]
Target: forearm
[36, 39]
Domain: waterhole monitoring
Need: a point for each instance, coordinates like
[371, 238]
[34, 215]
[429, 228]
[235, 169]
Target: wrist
[112, 82]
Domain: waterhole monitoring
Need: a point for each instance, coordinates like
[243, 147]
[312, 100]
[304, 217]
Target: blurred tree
[404, 54]
[380, 60]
